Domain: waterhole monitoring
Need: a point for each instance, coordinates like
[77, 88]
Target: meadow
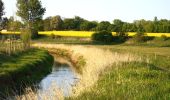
[144, 79]
[115, 71]
[129, 72]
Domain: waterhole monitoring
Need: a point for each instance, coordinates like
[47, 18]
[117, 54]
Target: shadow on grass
[22, 70]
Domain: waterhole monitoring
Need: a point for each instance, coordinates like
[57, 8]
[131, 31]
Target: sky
[101, 10]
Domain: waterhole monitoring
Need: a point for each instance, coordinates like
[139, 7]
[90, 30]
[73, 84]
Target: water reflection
[61, 76]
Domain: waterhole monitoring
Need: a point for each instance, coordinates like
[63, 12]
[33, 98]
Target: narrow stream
[62, 76]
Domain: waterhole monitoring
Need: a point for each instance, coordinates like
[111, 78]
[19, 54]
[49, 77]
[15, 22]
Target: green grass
[27, 67]
[149, 79]
[132, 81]
[65, 40]
[146, 80]
[155, 42]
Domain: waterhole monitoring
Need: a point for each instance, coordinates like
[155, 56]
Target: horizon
[100, 10]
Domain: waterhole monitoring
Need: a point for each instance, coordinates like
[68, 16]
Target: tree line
[31, 13]
[79, 24]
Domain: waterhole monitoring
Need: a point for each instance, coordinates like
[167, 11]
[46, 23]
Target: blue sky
[99, 10]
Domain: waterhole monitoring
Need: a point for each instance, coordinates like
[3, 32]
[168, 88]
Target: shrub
[102, 36]
[164, 37]
[34, 34]
[52, 36]
[140, 37]
[26, 38]
[120, 37]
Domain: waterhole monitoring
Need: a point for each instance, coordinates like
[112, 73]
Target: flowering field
[82, 33]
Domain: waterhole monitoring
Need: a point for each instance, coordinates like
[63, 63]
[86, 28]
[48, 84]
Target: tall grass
[132, 81]
[111, 72]
[146, 80]
[97, 60]
[11, 45]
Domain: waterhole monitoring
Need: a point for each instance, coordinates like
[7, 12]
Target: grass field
[121, 71]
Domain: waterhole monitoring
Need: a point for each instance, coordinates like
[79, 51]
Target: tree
[31, 12]
[87, 26]
[46, 24]
[1, 9]
[4, 23]
[1, 14]
[13, 25]
[104, 25]
[69, 24]
[118, 25]
[156, 24]
[77, 22]
[56, 23]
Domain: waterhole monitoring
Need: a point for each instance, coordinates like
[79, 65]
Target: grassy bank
[148, 79]
[95, 62]
[24, 68]
[77, 62]
[133, 81]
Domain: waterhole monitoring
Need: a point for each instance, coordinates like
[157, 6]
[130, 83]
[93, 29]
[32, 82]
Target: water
[62, 77]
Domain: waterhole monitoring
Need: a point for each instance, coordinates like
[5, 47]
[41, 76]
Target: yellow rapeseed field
[83, 33]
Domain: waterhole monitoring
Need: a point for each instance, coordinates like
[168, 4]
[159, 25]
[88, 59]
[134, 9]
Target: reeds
[54, 93]
[97, 60]
[11, 45]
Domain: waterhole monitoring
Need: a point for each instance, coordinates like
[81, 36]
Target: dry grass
[55, 94]
[97, 60]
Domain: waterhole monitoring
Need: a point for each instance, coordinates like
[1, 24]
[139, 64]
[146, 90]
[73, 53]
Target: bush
[164, 37]
[34, 34]
[26, 38]
[102, 36]
[52, 36]
[121, 37]
[140, 37]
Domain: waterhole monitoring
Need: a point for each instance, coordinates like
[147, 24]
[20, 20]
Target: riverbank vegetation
[114, 60]
[95, 62]
[78, 62]
[129, 72]
[145, 79]
[23, 69]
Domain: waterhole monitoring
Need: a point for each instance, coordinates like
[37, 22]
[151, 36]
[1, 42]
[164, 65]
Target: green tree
[104, 25]
[77, 22]
[56, 23]
[118, 25]
[73, 23]
[46, 23]
[69, 24]
[87, 26]
[14, 25]
[31, 12]
[4, 23]
[1, 9]
[156, 23]
[1, 14]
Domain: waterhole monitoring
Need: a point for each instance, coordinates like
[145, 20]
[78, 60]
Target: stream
[62, 77]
